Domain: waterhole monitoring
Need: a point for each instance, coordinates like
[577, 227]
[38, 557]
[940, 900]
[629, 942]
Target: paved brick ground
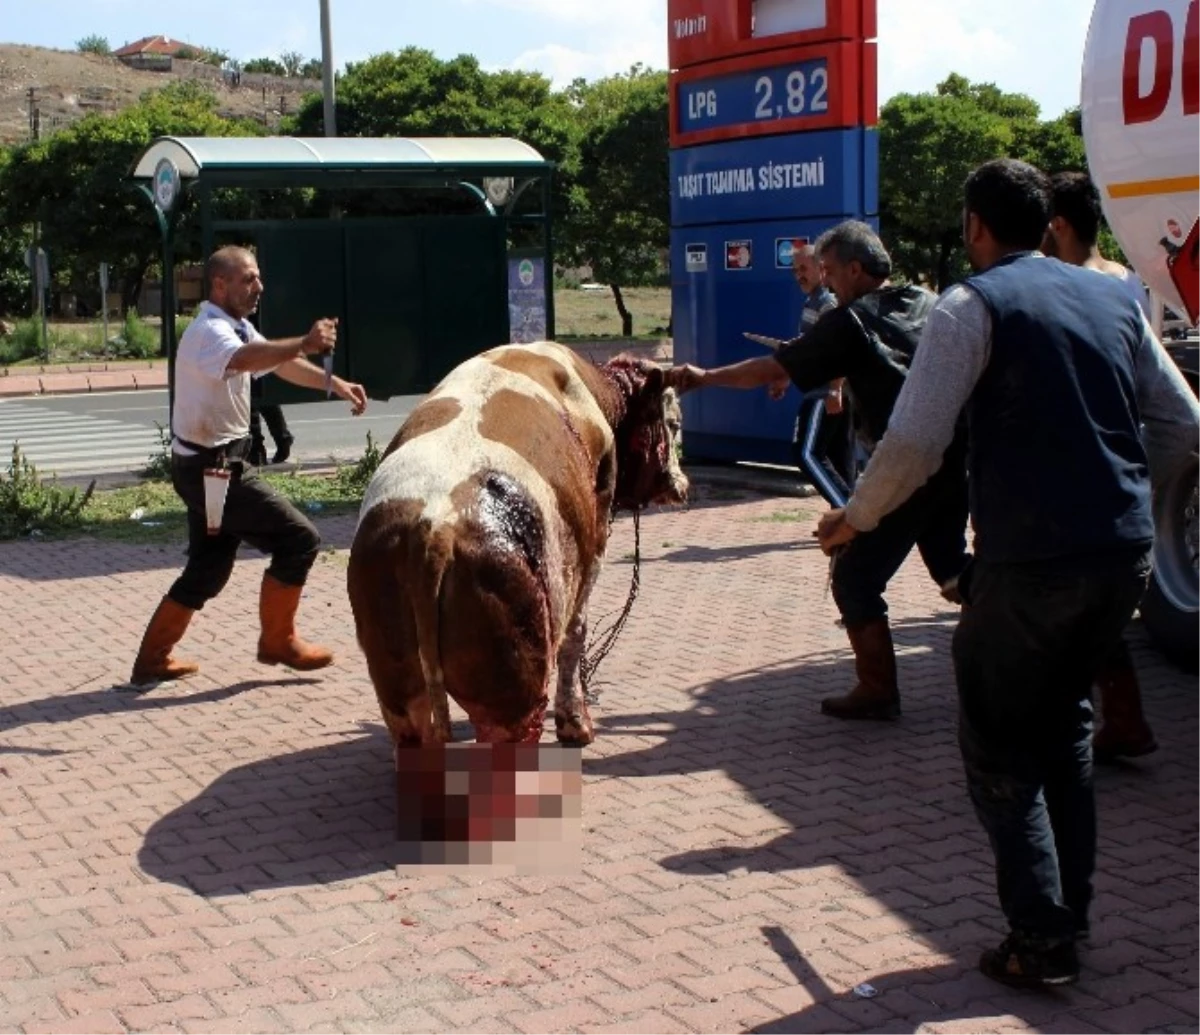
[214, 857]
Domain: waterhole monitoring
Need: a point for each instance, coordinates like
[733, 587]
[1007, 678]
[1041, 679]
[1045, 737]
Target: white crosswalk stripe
[58, 442]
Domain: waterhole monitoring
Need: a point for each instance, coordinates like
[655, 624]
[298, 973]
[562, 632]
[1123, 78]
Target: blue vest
[1056, 463]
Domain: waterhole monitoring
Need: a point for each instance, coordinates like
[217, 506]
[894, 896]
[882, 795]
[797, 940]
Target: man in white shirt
[218, 355]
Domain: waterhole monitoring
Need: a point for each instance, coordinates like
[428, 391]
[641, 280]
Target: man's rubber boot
[876, 696]
[1123, 731]
[279, 644]
[154, 662]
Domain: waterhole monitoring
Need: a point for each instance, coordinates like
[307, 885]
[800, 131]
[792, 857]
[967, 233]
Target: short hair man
[1052, 366]
[1072, 236]
[1073, 233]
[869, 340]
[219, 354]
[821, 424]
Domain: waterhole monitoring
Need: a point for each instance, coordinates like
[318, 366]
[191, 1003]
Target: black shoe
[1024, 963]
[283, 449]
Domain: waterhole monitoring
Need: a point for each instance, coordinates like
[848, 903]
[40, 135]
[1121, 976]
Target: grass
[579, 315]
[593, 314]
[163, 517]
[128, 338]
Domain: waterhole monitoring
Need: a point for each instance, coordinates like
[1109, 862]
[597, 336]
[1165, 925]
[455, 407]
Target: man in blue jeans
[820, 444]
[1055, 368]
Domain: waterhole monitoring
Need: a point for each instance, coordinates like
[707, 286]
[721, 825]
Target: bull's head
[648, 437]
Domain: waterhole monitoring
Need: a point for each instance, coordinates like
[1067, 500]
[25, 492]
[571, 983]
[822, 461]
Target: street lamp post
[327, 70]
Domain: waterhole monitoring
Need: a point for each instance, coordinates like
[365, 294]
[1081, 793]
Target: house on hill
[155, 52]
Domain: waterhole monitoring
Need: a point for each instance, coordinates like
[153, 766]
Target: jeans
[1026, 651]
[934, 519]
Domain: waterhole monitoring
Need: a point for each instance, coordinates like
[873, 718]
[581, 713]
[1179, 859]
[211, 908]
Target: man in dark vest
[1055, 368]
[869, 340]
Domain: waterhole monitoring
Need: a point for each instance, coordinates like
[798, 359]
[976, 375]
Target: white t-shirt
[212, 403]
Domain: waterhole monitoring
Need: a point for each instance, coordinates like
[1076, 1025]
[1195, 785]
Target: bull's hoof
[574, 731]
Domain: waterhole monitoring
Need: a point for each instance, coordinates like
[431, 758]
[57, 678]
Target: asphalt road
[113, 432]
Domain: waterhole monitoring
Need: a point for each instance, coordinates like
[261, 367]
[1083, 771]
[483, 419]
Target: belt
[234, 450]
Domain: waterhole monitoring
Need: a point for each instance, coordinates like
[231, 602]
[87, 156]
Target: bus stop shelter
[414, 294]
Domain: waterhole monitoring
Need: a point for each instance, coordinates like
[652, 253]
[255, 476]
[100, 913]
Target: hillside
[68, 86]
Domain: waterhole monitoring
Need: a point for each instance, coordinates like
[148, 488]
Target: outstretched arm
[750, 373]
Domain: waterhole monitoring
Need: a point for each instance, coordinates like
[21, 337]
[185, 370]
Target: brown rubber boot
[154, 663]
[876, 696]
[1122, 731]
[279, 644]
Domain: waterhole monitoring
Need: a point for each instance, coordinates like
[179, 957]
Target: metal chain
[600, 645]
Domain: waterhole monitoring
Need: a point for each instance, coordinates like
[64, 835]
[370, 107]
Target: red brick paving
[214, 856]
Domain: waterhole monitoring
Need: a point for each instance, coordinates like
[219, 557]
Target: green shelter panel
[384, 293]
[303, 269]
[465, 271]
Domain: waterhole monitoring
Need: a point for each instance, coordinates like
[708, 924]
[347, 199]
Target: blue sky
[1031, 46]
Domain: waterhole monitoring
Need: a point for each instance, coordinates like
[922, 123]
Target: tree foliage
[75, 184]
[620, 213]
[264, 66]
[928, 145]
[94, 44]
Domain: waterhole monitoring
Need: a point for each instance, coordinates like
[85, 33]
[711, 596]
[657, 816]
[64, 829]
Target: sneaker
[1023, 963]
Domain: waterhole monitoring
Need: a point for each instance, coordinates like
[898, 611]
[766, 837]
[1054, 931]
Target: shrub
[158, 463]
[354, 478]
[24, 343]
[29, 505]
[93, 44]
[138, 340]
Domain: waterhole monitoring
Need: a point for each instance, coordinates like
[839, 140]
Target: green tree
[15, 285]
[930, 142]
[415, 94]
[76, 184]
[313, 68]
[620, 206]
[94, 44]
[292, 61]
[264, 66]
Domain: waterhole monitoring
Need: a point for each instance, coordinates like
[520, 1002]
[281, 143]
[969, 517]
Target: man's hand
[321, 338]
[685, 377]
[833, 530]
[353, 393]
[777, 389]
[833, 401]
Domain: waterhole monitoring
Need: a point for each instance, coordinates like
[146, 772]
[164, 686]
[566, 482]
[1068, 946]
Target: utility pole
[327, 70]
[35, 114]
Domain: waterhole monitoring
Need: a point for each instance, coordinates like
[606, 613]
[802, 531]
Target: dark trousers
[1026, 651]
[933, 519]
[254, 513]
[821, 448]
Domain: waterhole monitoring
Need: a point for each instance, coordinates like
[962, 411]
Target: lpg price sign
[819, 87]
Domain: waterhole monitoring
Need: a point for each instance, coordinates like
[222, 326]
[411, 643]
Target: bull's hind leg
[571, 718]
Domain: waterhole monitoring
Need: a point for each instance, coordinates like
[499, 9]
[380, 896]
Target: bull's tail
[434, 556]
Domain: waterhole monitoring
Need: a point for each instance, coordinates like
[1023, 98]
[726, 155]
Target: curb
[78, 384]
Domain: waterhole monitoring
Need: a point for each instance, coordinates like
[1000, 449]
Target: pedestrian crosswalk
[61, 442]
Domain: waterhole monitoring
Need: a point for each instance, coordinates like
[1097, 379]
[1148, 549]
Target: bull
[482, 533]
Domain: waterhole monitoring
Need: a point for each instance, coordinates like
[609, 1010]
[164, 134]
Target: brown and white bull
[482, 533]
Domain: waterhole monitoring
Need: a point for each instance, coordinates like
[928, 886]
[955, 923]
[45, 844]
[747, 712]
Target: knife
[762, 339]
[327, 362]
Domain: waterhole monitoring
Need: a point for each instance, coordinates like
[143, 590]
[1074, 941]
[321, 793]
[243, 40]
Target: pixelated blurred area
[488, 809]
